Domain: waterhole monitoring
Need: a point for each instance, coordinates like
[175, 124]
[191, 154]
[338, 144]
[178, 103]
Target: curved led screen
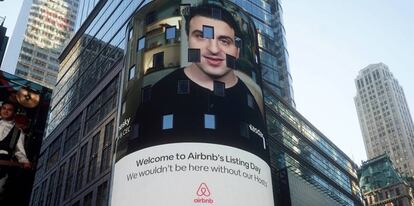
[192, 127]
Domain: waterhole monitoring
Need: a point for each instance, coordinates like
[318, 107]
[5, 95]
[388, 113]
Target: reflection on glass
[131, 72]
[141, 43]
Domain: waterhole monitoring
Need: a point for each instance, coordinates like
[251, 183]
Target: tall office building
[49, 28]
[3, 38]
[384, 117]
[74, 166]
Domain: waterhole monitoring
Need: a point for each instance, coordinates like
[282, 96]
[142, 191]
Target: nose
[213, 46]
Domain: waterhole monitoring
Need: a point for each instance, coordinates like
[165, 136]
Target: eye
[225, 41]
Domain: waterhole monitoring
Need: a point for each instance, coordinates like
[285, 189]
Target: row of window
[301, 148]
[284, 112]
[76, 172]
[314, 179]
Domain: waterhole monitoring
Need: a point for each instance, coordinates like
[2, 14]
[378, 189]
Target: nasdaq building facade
[83, 123]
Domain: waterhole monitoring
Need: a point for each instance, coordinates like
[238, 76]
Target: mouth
[214, 61]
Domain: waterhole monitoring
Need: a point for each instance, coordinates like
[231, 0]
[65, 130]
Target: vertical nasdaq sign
[192, 129]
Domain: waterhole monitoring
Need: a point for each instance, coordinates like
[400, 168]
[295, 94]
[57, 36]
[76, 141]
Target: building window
[193, 55]
[244, 130]
[70, 175]
[151, 17]
[208, 32]
[170, 32]
[167, 121]
[216, 13]
[42, 192]
[93, 158]
[87, 200]
[59, 184]
[54, 153]
[183, 87]
[130, 32]
[209, 121]
[72, 135]
[250, 101]
[231, 61]
[141, 43]
[146, 93]
[106, 148]
[123, 108]
[131, 72]
[81, 167]
[50, 190]
[219, 88]
[102, 197]
[254, 76]
[158, 60]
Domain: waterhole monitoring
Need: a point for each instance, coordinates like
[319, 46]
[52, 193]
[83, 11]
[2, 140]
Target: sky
[10, 9]
[328, 43]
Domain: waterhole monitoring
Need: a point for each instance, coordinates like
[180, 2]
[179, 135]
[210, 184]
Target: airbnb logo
[202, 192]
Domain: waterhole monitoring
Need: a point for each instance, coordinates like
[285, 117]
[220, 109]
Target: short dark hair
[10, 103]
[211, 11]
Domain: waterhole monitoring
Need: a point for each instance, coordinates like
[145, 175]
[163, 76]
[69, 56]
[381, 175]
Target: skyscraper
[384, 117]
[49, 28]
[3, 38]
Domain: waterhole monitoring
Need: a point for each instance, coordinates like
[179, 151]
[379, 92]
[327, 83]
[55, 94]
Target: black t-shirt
[176, 109]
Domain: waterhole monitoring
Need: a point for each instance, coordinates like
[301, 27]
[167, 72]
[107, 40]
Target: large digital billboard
[23, 112]
[192, 127]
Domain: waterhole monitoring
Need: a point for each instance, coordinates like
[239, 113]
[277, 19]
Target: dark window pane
[250, 101]
[158, 60]
[193, 55]
[219, 88]
[231, 61]
[146, 94]
[183, 87]
[87, 201]
[216, 13]
[244, 130]
[102, 197]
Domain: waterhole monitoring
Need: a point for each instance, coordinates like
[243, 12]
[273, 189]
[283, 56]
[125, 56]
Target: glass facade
[85, 97]
[298, 146]
[50, 26]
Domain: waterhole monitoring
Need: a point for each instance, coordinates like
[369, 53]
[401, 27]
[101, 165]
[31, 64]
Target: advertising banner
[192, 129]
[23, 114]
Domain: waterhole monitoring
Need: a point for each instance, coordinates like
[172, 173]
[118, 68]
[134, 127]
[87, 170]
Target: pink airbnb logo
[203, 192]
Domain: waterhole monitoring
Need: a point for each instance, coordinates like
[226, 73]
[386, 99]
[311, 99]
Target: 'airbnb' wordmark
[203, 192]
